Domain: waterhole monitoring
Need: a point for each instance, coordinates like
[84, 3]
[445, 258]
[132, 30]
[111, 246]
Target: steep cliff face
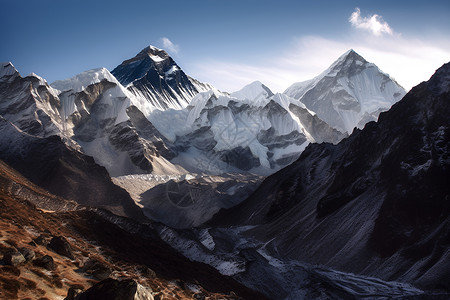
[378, 203]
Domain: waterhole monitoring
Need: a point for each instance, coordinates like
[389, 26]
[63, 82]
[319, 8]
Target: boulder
[27, 253]
[146, 271]
[97, 269]
[73, 293]
[199, 296]
[60, 245]
[45, 262]
[13, 258]
[112, 289]
[40, 240]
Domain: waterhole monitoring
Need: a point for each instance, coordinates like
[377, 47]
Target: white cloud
[374, 23]
[169, 46]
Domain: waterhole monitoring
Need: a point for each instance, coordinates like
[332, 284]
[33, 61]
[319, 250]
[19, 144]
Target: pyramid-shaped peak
[439, 83]
[7, 69]
[350, 61]
[152, 51]
[351, 55]
[253, 91]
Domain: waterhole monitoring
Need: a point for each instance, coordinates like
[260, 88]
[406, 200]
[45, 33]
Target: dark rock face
[72, 293]
[269, 139]
[148, 132]
[140, 139]
[30, 104]
[241, 158]
[96, 269]
[45, 262]
[378, 203]
[320, 130]
[60, 245]
[88, 119]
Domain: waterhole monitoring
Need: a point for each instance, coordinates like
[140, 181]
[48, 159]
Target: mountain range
[155, 118]
[378, 201]
[352, 207]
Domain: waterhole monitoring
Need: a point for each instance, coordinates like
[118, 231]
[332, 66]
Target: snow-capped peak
[348, 60]
[42, 81]
[7, 69]
[84, 79]
[349, 93]
[154, 53]
[152, 74]
[255, 92]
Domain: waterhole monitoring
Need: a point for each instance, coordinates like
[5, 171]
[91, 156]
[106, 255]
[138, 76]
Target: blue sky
[227, 43]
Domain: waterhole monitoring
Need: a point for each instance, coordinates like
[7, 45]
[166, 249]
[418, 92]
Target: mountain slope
[51, 164]
[375, 204]
[152, 74]
[103, 246]
[349, 93]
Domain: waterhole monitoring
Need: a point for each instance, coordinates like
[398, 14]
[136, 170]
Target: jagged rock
[45, 262]
[40, 240]
[199, 296]
[96, 269]
[27, 253]
[158, 296]
[147, 272]
[60, 245]
[241, 158]
[13, 258]
[181, 284]
[112, 289]
[73, 293]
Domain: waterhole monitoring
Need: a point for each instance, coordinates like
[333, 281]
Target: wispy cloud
[374, 23]
[169, 46]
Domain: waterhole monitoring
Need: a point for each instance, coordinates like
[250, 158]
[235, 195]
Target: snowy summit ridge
[350, 93]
